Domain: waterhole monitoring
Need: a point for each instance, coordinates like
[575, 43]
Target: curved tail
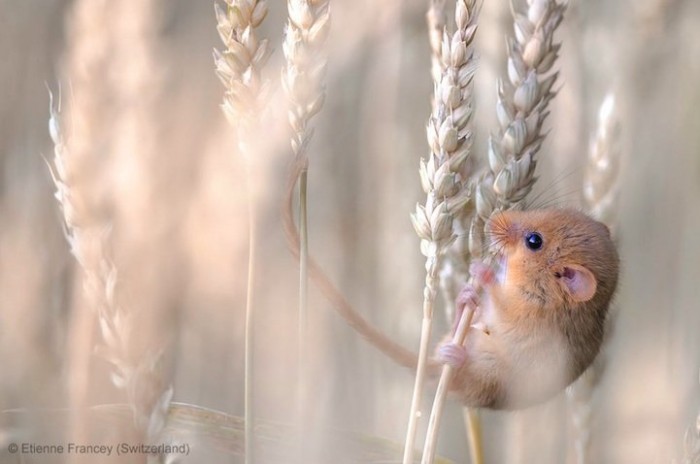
[376, 337]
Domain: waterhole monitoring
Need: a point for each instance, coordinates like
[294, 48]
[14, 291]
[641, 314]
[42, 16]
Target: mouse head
[555, 257]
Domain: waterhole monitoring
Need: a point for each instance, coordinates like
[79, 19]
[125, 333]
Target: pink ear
[579, 282]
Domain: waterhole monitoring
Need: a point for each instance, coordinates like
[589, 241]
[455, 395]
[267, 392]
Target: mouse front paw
[468, 298]
[452, 354]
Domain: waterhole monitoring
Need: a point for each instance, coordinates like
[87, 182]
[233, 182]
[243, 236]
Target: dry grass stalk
[521, 109]
[134, 373]
[443, 177]
[240, 69]
[600, 191]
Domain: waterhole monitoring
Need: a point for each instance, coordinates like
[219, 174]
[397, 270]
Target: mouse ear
[578, 282]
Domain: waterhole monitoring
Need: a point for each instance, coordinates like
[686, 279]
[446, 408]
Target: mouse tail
[369, 332]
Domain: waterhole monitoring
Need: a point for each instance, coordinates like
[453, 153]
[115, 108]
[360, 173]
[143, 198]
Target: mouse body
[540, 315]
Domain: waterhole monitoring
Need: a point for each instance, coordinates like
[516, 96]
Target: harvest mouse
[541, 320]
[541, 316]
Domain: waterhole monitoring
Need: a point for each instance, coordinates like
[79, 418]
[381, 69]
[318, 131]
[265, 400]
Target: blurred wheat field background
[158, 163]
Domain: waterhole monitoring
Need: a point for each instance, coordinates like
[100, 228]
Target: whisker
[531, 202]
[554, 200]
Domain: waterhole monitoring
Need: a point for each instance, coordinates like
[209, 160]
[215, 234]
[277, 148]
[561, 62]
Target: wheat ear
[521, 109]
[600, 191]
[303, 79]
[239, 67]
[443, 178]
[304, 73]
[88, 244]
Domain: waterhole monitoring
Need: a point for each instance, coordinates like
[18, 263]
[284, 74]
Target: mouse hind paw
[452, 354]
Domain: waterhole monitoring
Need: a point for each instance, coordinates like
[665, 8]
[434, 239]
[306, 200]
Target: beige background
[177, 205]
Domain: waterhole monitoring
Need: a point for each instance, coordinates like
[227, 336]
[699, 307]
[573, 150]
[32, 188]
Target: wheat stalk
[455, 265]
[521, 109]
[134, 374]
[600, 191]
[240, 69]
[443, 178]
[303, 79]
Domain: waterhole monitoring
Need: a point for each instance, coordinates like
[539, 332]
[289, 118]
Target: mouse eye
[533, 241]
